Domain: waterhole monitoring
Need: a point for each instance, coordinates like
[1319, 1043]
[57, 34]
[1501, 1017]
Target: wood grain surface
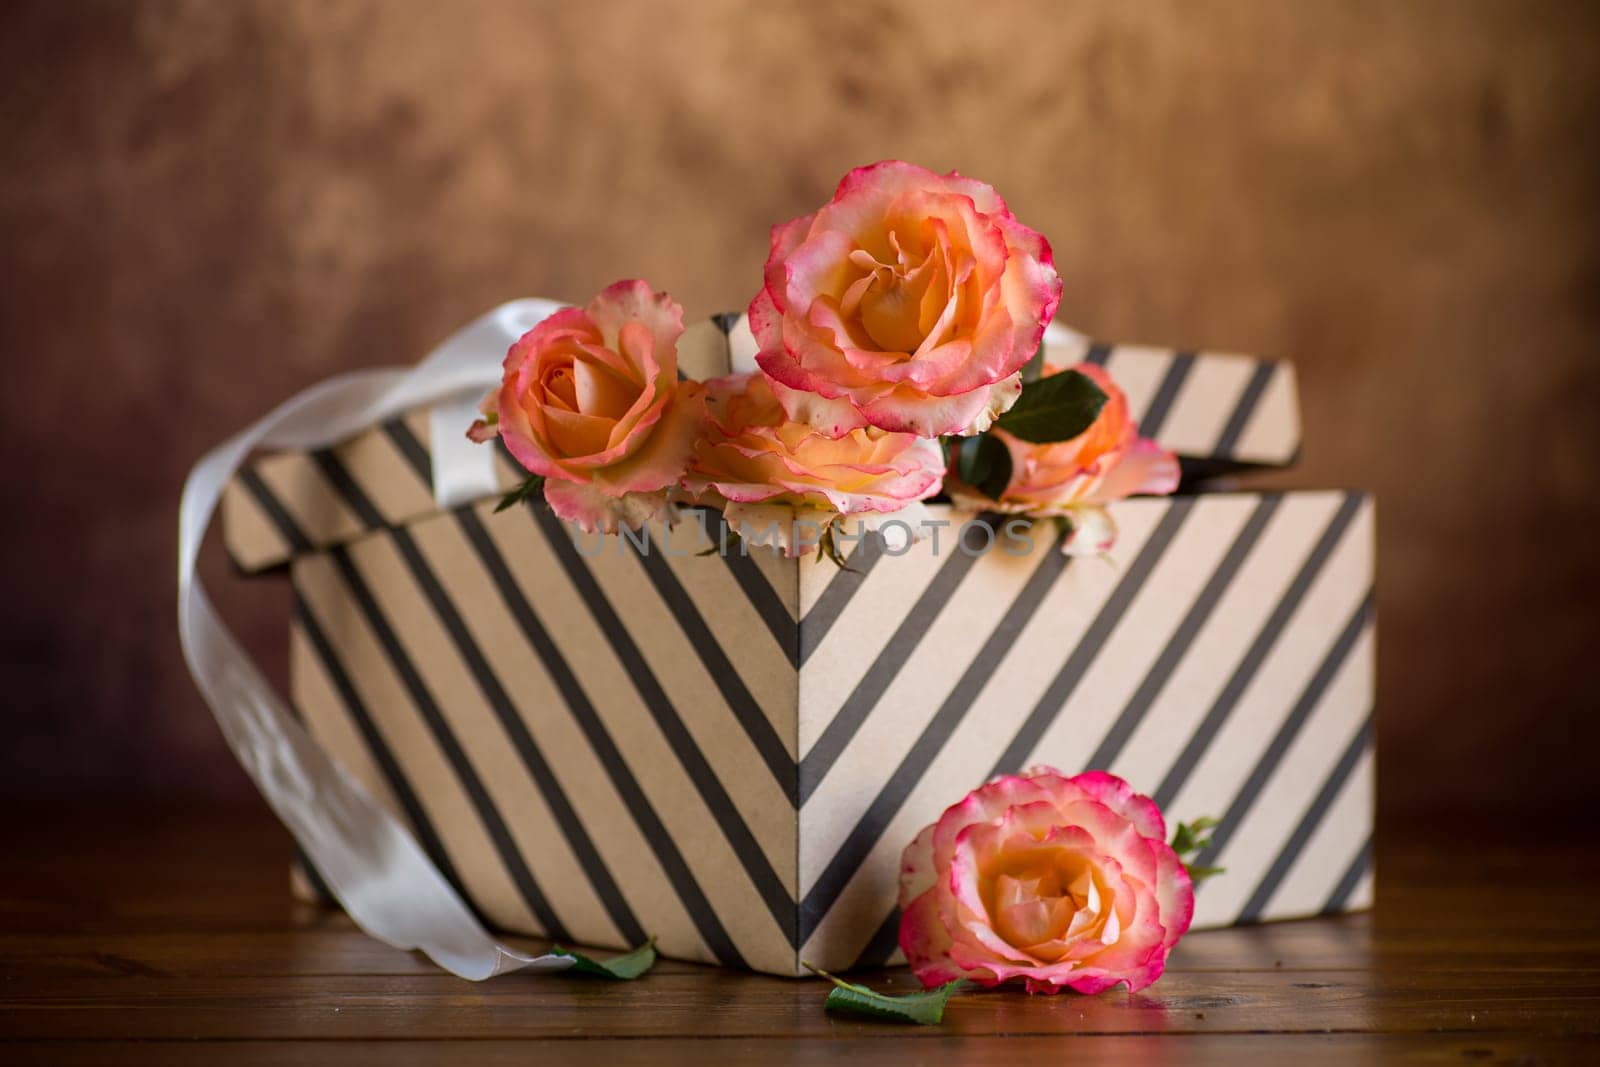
[167, 936]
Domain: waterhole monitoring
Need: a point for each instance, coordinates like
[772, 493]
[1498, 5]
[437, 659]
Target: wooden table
[168, 936]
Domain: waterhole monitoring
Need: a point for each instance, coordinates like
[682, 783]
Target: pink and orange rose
[767, 472]
[591, 401]
[1076, 478]
[909, 303]
[1066, 883]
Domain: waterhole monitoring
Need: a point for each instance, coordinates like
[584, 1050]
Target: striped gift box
[602, 741]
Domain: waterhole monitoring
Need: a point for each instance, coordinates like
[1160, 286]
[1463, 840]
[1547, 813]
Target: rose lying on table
[1064, 883]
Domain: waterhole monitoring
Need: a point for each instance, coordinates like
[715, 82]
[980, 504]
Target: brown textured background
[206, 206]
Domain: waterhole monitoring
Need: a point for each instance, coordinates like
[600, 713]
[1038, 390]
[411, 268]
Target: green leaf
[984, 463]
[828, 546]
[1189, 840]
[725, 540]
[618, 968]
[1057, 408]
[1192, 837]
[532, 488]
[925, 1007]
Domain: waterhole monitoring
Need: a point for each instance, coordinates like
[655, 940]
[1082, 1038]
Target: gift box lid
[1218, 412]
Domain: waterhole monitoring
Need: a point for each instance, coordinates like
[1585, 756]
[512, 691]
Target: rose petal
[593, 510]
[660, 460]
[1120, 797]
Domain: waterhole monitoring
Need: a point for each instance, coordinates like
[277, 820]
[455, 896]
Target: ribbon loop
[369, 860]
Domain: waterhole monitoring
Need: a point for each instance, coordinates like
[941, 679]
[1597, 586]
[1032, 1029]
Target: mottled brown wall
[207, 206]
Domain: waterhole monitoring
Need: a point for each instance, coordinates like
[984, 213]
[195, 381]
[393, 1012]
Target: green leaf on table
[924, 1007]
[1057, 408]
[984, 463]
[619, 968]
[532, 488]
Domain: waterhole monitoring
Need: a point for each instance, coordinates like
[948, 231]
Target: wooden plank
[330, 944]
[169, 937]
[889, 1045]
[726, 1005]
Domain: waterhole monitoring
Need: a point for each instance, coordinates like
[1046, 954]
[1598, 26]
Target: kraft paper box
[600, 740]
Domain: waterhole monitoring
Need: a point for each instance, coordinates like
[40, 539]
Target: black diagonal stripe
[577, 703]
[511, 461]
[734, 692]
[1260, 378]
[273, 508]
[1245, 799]
[885, 668]
[387, 765]
[1340, 897]
[837, 596]
[1155, 680]
[858, 845]
[1097, 354]
[1166, 394]
[313, 877]
[302, 860]
[422, 699]
[882, 944]
[1312, 819]
[1265, 639]
[494, 693]
[727, 320]
[1088, 647]
[420, 458]
[566, 817]
[350, 492]
[717, 802]
[765, 599]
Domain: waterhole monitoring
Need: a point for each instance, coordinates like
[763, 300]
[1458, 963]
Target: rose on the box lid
[591, 403]
[909, 302]
[1071, 480]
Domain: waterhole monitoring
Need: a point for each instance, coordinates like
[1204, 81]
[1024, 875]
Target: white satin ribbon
[368, 859]
[463, 470]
